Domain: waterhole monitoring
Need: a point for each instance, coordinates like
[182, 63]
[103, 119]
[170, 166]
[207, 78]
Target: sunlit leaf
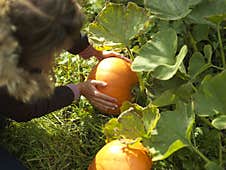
[158, 55]
[139, 2]
[220, 122]
[111, 129]
[127, 105]
[118, 23]
[150, 119]
[132, 124]
[210, 99]
[173, 132]
[171, 9]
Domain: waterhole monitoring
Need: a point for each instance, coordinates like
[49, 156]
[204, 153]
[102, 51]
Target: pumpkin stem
[139, 74]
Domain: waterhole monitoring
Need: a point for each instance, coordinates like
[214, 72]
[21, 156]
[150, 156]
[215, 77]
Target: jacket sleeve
[22, 112]
[80, 44]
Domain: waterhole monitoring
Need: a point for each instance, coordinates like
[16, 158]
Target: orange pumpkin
[120, 79]
[117, 155]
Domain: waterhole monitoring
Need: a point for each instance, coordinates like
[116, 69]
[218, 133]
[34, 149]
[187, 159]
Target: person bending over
[32, 32]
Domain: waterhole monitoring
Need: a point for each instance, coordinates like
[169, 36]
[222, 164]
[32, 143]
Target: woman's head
[43, 25]
[40, 27]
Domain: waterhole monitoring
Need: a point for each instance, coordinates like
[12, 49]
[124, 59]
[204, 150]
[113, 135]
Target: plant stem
[216, 67]
[221, 45]
[220, 149]
[200, 154]
[141, 82]
[130, 53]
[201, 70]
[206, 122]
[193, 111]
[193, 42]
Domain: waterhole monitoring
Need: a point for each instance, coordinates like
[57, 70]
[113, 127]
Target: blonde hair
[30, 29]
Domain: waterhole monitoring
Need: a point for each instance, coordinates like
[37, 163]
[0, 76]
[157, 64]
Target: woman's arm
[80, 44]
[21, 112]
[82, 47]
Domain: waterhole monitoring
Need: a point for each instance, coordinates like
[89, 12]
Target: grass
[66, 139]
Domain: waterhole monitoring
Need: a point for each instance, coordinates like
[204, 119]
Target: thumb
[98, 83]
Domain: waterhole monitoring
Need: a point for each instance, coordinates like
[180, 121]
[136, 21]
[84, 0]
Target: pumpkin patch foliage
[179, 56]
[172, 95]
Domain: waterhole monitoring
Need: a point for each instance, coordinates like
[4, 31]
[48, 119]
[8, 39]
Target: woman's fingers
[103, 101]
[98, 94]
[106, 54]
[96, 98]
[98, 83]
[103, 106]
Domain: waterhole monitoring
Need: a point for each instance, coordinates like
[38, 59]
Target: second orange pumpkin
[117, 155]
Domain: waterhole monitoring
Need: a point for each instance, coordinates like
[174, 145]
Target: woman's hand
[106, 54]
[100, 100]
[100, 55]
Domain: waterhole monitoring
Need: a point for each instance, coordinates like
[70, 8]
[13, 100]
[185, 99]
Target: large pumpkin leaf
[210, 99]
[135, 122]
[173, 95]
[158, 55]
[208, 9]
[171, 9]
[117, 23]
[173, 132]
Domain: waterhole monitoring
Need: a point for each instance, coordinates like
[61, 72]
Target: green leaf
[173, 132]
[175, 146]
[172, 96]
[111, 129]
[201, 32]
[217, 19]
[171, 9]
[158, 55]
[196, 62]
[132, 123]
[165, 72]
[150, 119]
[213, 9]
[212, 166]
[118, 23]
[210, 99]
[139, 2]
[220, 122]
[166, 98]
[128, 105]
